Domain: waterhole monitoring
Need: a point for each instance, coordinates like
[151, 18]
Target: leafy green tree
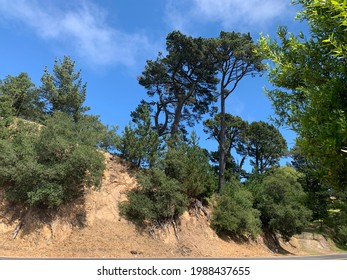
[140, 143]
[234, 212]
[158, 200]
[310, 79]
[7, 159]
[328, 17]
[235, 56]
[6, 111]
[264, 144]
[128, 147]
[280, 199]
[189, 164]
[317, 193]
[109, 139]
[179, 177]
[182, 83]
[19, 171]
[23, 95]
[63, 90]
[337, 226]
[235, 129]
[48, 165]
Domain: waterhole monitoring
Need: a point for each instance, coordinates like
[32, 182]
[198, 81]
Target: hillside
[93, 228]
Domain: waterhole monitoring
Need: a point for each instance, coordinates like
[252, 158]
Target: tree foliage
[6, 112]
[235, 56]
[328, 18]
[317, 193]
[159, 199]
[64, 90]
[140, 143]
[280, 199]
[49, 165]
[23, 96]
[264, 144]
[337, 227]
[181, 174]
[234, 212]
[189, 164]
[310, 79]
[182, 83]
[259, 141]
[47, 160]
[235, 132]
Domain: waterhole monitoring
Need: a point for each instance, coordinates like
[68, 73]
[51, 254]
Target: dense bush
[19, 169]
[189, 164]
[280, 199]
[6, 110]
[159, 199]
[48, 145]
[340, 235]
[234, 212]
[182, 173]
[337, 221]
[47, 165]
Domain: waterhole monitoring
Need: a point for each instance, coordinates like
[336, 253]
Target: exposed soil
[93, 228]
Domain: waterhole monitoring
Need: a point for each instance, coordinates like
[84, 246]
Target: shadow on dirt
[25, 220]
[272, 242]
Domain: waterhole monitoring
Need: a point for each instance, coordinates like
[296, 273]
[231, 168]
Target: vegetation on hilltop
[50, 146]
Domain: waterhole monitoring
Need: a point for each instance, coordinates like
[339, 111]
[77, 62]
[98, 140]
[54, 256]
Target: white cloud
[177, 15]
[231, 14]
[82, 28]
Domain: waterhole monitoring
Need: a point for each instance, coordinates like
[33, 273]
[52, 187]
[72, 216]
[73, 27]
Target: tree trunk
[221, 177]
[178, 113]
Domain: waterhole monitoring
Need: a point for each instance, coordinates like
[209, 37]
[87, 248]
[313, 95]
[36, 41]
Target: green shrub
[234, 212]
[49, 194]
[280, 199]
[341, 235]
[140, 144]
[49, 165]
[337, 220]
[189, 164]
[159, 199]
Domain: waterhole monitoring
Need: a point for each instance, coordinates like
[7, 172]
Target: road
[323, 257]
[342, 256]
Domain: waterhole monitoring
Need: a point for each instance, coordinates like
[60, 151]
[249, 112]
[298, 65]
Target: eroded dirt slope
[93, 228]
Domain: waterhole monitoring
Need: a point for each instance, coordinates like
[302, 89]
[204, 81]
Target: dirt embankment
[93, 228]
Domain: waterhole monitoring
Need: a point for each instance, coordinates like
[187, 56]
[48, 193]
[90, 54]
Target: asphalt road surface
[342, 256]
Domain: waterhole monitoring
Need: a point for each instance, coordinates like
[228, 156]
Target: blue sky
[110, 40]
